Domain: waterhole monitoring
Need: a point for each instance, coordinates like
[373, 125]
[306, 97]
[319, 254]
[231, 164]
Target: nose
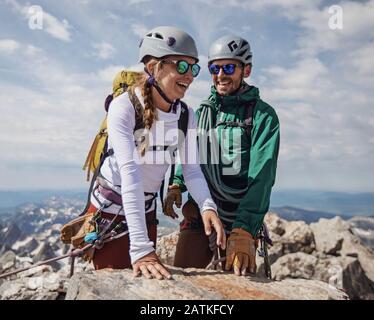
[220, 73]
[188, 75]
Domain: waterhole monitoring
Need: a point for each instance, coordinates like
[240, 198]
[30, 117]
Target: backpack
[122, 81]
[99, 149]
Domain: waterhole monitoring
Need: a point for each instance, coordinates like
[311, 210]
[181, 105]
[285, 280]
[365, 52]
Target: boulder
[345, 273]
[298, 237]
[50, 281]
[7, 261]
[328, 235]
[45, 252]
[193, 284]
[166, 246]
[294, 265]
[328, 239]
[35, 272]
[44, 286]
[275, 224]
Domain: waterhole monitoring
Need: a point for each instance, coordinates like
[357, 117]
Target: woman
[170, 58]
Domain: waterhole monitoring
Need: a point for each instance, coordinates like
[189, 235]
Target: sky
[313, 62]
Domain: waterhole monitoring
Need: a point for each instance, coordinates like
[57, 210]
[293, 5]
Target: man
[235, 124]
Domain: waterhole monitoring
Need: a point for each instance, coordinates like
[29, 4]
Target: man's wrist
[242, 231]
[209, 209]
[174, 186]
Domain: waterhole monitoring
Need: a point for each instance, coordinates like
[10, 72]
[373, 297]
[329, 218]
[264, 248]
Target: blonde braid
[149, 113]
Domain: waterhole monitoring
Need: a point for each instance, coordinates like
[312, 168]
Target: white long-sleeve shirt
[131, 175]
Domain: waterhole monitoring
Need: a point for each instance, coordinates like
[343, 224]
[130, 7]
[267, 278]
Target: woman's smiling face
[170, 80]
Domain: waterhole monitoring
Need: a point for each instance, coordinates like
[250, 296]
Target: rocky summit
[327, 259]
[194, 284]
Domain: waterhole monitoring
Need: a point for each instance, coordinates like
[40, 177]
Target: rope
[73, 253]
[103, 237]
[212, 167]
[98, 244]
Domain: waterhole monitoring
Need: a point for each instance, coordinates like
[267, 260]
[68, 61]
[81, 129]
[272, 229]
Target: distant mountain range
[337, 203]
[318, 203]
[11, 199]
[293, 213]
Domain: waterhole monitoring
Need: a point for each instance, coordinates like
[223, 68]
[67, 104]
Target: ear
[150, 65]
[247, 70]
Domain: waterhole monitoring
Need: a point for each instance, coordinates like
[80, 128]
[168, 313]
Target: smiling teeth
[183, 84]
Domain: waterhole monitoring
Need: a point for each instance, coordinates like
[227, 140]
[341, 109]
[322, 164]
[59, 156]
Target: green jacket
[241, 179]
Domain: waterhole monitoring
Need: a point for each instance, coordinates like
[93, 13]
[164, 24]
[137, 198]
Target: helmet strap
[152, 82]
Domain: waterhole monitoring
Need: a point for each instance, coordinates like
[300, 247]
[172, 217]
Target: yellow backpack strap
[93, 157]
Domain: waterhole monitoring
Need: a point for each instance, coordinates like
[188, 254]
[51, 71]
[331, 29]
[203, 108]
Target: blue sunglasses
[228, 69]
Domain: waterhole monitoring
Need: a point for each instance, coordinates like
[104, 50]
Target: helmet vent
[158, 36]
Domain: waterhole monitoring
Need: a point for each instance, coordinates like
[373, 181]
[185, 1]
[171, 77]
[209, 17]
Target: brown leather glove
[241, 252]
[174, 195]
[151, 267]
[75, 230]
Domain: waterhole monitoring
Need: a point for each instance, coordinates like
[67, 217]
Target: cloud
[258, 5]
[50, 24]
[57, 29]
[104, 50]
[8, 46]
[113, 16]
[362, 59]
[108, 73]
[318, 121]
[53, 123]
[198, 91]
[318, 80]
[139, 29]
[317, 36]
[31, 50]
[134, 2]
[295, 83]
[312, 17]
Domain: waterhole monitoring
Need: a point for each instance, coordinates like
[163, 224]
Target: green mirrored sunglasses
[183, 66]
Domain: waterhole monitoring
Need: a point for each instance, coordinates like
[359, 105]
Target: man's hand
[174, 195]
[150, 267]
[210, 218]
[241, 252]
